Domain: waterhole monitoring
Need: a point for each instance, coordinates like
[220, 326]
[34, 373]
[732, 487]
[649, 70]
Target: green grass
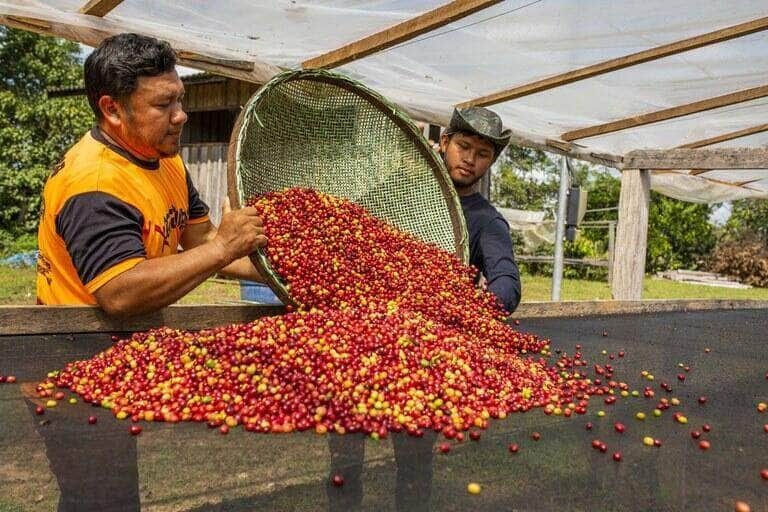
[10, 507]
[539, 288]
[17, 286]
[213, 291]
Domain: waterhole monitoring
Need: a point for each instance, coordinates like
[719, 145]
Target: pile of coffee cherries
[333, 254]
[333, 370]
[391, 335]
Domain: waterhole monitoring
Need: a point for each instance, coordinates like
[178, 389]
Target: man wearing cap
[474, 140]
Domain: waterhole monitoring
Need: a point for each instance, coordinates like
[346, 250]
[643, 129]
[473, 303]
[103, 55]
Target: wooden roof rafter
[668, 113]
[699, 172]
[744, 184]
[30, 24]
[740, 184]
[658, 52]
[101, 28]
[726, 137]
[99, 8]
[396, 34]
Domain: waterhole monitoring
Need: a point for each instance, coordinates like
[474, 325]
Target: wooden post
[611, 250]
[631, 235]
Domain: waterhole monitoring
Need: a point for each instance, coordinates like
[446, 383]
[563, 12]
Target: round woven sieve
[321, 130]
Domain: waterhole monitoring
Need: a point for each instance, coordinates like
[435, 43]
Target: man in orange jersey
[119, 205]
[116, 209]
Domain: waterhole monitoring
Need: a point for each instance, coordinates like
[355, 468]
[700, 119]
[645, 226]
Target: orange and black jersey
[105, 211]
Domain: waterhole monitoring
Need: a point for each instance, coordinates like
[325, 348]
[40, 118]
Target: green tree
[749, 216]
[679, 233]
[35, 131]
[526, 179]
[529, 179]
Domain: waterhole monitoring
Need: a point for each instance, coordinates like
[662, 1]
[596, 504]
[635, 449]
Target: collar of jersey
[150, 165]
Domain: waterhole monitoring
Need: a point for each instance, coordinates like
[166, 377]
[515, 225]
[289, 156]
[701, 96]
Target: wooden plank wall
[218, 94]
[209, 126]
[207, 165]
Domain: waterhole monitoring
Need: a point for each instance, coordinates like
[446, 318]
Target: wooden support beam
[726, 136]
[99, 29]
[699, 159]
[631, 235]
[715, 140]
[610, 307]
[99, 8]
[33, 321]
[29, 24]
[15, 320]
[192, 57]
[668, 113]
[611, 250]
[399, 33]
[560, 144]
[659, 52]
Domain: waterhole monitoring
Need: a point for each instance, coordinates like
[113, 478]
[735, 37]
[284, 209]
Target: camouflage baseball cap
[482, 122]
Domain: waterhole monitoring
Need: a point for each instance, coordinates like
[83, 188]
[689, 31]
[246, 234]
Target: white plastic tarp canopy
[530, 225]
[508, 44]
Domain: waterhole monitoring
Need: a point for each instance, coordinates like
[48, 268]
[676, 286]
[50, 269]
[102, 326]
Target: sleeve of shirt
[103, 236]
[198, 210]
[500, 269]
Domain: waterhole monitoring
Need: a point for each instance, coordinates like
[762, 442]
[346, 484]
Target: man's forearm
[158, 282]
[242, 269]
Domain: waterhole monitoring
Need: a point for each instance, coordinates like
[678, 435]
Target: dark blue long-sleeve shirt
[490, 249]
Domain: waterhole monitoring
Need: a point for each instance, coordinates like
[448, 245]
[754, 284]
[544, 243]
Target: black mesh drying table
[59, 460]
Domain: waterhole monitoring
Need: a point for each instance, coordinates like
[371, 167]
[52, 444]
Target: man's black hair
[114, 68]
